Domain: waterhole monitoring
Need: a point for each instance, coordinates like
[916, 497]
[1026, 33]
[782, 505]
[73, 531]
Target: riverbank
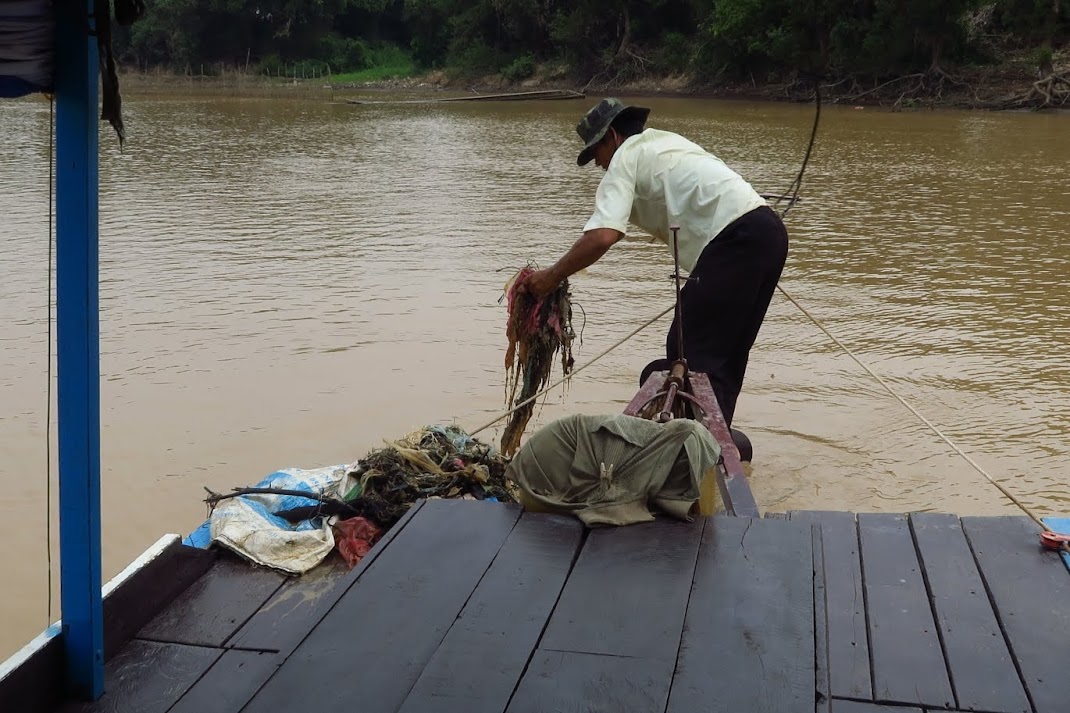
[1013, 84]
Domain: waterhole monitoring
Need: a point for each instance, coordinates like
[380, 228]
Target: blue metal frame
[78, 348]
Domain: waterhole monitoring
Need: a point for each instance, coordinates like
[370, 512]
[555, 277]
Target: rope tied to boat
[791, 195]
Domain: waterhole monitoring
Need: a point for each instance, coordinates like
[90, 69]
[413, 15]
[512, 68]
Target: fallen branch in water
[919, 75]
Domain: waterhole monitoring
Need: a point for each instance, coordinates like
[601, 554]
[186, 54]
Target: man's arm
[586, 251]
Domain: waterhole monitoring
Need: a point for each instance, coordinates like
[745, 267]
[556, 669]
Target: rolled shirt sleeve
[616, 192]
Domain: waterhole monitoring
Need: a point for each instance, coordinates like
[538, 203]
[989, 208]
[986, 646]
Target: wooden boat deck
[478, 607]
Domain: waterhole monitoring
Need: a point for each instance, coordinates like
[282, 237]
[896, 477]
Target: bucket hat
[595, 123]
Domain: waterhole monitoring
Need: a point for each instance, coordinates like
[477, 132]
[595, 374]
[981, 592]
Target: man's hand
[540, 283]
[584, 253]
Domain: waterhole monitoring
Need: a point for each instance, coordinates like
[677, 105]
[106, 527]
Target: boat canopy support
[78, 348]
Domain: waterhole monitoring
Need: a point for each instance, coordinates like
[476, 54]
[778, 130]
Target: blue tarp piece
[199, 538]
[1059, 525]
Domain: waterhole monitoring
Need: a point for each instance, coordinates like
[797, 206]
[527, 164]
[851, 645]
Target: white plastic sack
[246, 524]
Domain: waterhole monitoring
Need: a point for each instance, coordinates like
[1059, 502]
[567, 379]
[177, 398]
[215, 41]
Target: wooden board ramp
[965, 614]
[536, 95]
[482, 608]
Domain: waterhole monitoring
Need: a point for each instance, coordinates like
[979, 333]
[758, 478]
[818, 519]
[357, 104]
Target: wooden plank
[567, 682]
[302, 602]
[149, 590]
[983, 673]
[628, 592]
[748, 642]
[214, 607]
[29, 681]
[908, 661]
[1030, 590]
[821, 642]
[776, 516]
[479, 663]
[848, 639]
[842, 706]
[231, 683]
[148, 677]
[372, 646]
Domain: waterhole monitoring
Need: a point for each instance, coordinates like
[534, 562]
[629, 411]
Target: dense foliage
[608, 38]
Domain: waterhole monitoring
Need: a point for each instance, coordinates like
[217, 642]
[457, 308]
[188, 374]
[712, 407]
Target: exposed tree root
[1052, 92]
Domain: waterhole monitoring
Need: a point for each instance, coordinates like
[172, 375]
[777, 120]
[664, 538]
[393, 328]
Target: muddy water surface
[287, 283]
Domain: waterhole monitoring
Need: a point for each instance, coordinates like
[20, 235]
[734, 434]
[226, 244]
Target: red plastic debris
[354, 537]
[1053, 540]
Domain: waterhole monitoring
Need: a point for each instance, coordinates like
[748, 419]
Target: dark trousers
[725, 302]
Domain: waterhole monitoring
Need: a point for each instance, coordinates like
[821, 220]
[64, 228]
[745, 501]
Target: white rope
[1010, 496]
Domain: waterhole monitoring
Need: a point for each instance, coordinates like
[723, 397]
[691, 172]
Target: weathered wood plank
[821, 643]
[842, 706]
[295, 609]
[152, 581]
[848, 640]
[566, 682]
[231, 683]
[28, 680]
[150, 590]
[214, 607]
[479, 663]
[628, 592]
[748, 642]
[1030, 589]
[908, 661]
[372, 646]
[982, 671]
[148, 677]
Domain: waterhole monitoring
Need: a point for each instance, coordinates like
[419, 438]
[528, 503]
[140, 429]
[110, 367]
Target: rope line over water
[792, 195]
[913, 410]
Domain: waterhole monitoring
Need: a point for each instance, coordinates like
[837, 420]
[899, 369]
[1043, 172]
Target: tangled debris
[434, 462]
[537, 330]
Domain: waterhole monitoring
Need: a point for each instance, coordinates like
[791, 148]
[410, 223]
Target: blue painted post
[78, 348]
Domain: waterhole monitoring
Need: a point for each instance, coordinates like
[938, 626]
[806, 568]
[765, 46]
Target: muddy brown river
[289, 282]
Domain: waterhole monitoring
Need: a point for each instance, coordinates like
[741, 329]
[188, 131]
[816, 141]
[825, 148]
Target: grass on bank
[385, 62]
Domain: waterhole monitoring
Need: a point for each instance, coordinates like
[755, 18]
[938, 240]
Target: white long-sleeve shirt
[657, 179]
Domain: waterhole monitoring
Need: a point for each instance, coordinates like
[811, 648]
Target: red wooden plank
[653, 384]
[735, 491]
